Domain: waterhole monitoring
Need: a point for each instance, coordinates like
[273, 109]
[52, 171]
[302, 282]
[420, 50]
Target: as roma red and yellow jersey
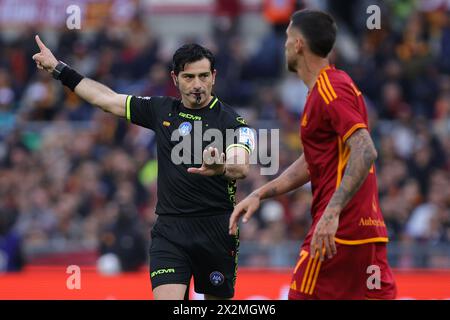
[334, 110]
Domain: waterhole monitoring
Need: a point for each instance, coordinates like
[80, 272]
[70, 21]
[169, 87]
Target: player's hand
[247, 208]
[323, 237]
[45, 60]
[213, 163]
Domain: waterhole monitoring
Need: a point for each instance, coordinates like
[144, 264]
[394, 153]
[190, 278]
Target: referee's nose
[197, 84]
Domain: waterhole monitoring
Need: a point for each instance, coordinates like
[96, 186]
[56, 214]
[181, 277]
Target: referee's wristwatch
[56, 73]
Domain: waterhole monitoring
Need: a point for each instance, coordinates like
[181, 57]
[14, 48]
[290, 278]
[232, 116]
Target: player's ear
[213, 74]
[174, 78]
[299, 45]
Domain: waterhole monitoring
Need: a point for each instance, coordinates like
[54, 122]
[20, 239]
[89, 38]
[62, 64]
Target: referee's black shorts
[186, 246]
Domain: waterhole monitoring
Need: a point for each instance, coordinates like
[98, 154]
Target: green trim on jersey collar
[214, 103]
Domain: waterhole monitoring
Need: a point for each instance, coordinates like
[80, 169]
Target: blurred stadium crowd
[75, 178]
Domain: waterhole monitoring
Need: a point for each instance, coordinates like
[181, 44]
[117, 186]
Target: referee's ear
[214, 73]
[174, 78]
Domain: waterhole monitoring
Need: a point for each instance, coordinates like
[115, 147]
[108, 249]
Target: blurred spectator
[227, 14]
[7, 102]
[124, 239]
[39, 101]
[159, 82]
[11, 255]
[75, 178]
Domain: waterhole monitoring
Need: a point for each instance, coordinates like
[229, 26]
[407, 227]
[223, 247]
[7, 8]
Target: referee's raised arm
[87, 89]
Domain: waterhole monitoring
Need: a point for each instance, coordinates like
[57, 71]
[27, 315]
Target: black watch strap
[56, 73]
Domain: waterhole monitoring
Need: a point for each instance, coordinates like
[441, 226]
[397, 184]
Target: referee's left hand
[322, 242]
[45, 60]
[213, 163]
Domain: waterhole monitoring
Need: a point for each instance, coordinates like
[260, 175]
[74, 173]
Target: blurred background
[78, 186]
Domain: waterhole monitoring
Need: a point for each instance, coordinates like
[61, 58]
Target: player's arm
[87, 89]
[293, 177]
[362, 157]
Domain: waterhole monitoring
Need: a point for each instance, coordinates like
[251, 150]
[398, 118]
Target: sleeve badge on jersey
[247, 137]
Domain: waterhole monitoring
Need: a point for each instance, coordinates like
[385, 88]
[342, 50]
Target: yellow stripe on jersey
[343, 156]
[305, 275]
[316, 275]
[357, 92]
[362, 241]
[329, 86]
[353, 129]
[324, 97]
[303, 255]
[324, 88]
[294, 285]
[312, 272]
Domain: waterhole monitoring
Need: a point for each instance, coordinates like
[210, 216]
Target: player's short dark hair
[189, 53]
[318, 28]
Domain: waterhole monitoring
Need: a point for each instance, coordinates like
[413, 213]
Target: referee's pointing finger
[40, 43]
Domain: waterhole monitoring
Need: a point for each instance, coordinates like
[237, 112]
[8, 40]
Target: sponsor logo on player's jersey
[189, 116]
[144, 98]
[216, 278]
[241, 120]
[162, 271]
[369, 222]
[185, 128]
[304, 120]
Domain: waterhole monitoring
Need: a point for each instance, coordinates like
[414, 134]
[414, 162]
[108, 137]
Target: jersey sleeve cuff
[128, 108]
[352, 130]
[238, 145]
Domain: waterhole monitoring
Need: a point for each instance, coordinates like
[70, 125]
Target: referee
[196, 192]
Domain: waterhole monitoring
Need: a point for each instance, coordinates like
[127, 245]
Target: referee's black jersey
[181, 139]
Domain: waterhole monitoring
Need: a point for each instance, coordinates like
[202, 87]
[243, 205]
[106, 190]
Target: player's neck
[310, 69]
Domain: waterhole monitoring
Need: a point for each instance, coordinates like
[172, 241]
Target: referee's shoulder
[155, 98]
[160, 102]
[227, 109]
[229, 117]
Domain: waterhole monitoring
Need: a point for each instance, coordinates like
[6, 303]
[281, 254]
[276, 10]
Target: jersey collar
[213, 103]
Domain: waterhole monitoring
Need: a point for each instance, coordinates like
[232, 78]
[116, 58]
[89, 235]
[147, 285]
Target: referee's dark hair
[318, 28]
[189, 53]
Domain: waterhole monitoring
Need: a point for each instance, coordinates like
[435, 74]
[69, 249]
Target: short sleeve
[142, 110]
[241, 134]
[245, 138]
[346, 113]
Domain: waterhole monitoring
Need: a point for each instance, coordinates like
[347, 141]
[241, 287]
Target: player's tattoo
[272, 192]
[362, 156]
